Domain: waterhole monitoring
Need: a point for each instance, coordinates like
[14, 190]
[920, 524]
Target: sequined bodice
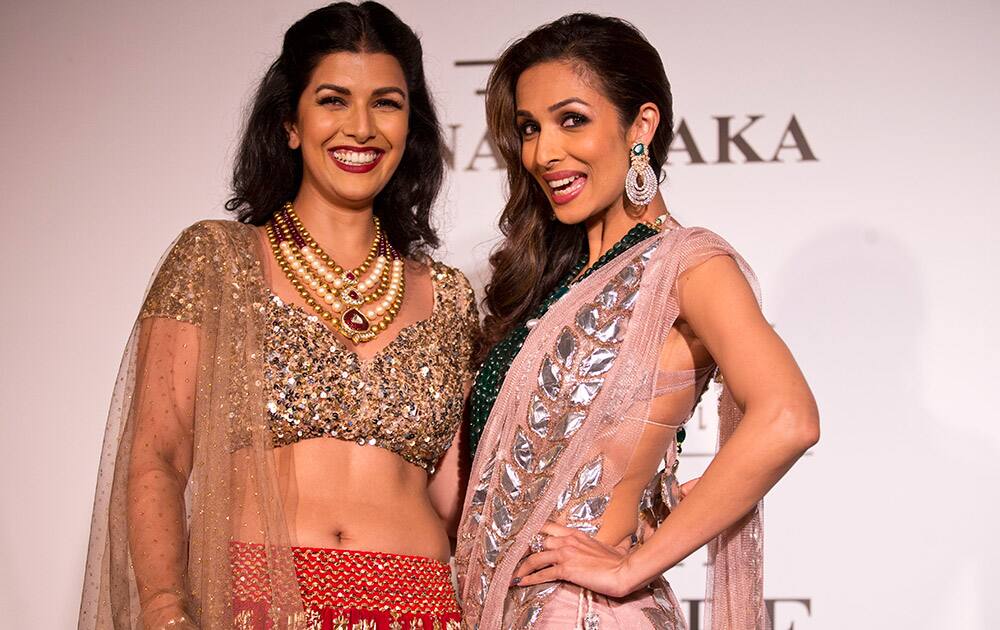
[408, 398]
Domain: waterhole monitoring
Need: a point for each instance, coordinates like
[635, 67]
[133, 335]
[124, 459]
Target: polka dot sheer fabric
[189, 462]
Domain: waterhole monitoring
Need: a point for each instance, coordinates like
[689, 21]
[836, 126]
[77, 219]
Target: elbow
[798, 427]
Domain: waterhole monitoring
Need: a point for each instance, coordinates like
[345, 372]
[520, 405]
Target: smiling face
[572, 140]
[351, 126]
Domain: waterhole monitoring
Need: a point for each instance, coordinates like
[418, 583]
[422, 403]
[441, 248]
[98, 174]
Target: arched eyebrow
[382, 91]
[392, 89]
[567, 101]
[554, 106]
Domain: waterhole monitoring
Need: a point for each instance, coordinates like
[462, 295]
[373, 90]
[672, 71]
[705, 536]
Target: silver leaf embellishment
[522, 450]
[599, 362]
[510, 481]
[629, 302]
[549, 457]
[501, 518]
[586, 319]
[538, 417]
[484, 587]
[479, 495]
[588, 477]
[568, 424]
[535, 489]
[608, 296]
[589, 509]
[613, 332]
[563, 499]
[519, 519]
[488, 468]
[585, 392]
[629, 275]
[549, 378]
[540, 591]
[491, 548]
[566, 348]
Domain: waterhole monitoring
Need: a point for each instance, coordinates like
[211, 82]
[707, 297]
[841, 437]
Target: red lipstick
[355, 159]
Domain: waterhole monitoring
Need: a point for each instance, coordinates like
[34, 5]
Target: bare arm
[780, 423]
[780, 419]
[447, 485]
[159, 465]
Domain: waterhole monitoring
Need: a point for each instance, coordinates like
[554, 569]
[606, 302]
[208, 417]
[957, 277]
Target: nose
[360, 125]
[548, 150]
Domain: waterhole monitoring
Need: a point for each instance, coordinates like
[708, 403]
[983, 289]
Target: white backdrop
[119, 120]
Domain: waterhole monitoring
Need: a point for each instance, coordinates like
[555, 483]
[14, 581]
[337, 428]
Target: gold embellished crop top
[408, 398]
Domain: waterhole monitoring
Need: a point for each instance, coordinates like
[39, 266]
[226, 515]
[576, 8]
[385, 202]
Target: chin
[572, 216]
[356, 192]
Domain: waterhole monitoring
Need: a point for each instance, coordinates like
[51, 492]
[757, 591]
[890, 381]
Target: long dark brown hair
[267, 173]
[538, 252]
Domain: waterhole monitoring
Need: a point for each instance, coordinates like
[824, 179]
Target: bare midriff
[338, 494]
[341, 495]
[621, 518]
[682, 351]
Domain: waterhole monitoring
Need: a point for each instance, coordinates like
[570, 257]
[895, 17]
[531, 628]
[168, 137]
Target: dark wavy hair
[267, 173]
[538, 252]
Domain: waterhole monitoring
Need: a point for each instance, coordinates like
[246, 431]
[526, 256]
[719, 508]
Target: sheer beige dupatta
[589, 359]
[186, 457]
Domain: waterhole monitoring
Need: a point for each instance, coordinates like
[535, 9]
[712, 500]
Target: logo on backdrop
[727, 143]
[782, 611]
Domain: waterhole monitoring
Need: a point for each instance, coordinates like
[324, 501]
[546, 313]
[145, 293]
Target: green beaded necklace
[491, 375]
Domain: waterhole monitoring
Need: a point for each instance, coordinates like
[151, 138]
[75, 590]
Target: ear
[645, 124]
[294, 141]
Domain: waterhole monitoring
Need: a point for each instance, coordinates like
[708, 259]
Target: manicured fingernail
[515, 581]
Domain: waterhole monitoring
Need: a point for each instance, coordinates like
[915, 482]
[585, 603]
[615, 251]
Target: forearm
[157, 535]
[446, 488]
[756, 456]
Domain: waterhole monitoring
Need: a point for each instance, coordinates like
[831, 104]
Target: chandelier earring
[640, 180]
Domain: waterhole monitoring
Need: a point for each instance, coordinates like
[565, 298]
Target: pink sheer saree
[561, 434]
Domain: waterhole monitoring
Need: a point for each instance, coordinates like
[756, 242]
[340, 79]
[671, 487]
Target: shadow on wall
[904, 521]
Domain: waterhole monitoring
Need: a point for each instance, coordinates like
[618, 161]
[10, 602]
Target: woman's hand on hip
[571, 556]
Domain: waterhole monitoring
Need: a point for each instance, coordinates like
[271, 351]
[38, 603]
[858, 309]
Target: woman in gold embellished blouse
[283, 445]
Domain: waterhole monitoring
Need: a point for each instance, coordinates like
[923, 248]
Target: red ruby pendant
[354, 320]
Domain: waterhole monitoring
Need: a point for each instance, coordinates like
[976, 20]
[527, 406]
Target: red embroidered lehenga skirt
[349, 590]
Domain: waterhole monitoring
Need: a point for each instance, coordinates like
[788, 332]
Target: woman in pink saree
[607, 319]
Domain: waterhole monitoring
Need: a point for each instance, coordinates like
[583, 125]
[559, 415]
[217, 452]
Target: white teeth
[562, 182]
[355, 157]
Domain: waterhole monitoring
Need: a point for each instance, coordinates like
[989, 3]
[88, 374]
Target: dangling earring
[640, 194]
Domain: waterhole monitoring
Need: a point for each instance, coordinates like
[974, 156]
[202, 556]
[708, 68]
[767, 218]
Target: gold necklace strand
[292, 278]
[311, 242]
[352, 323]
[344, 280]
[356, 293]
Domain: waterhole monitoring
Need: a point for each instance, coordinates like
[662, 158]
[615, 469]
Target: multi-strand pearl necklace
[360, 302]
